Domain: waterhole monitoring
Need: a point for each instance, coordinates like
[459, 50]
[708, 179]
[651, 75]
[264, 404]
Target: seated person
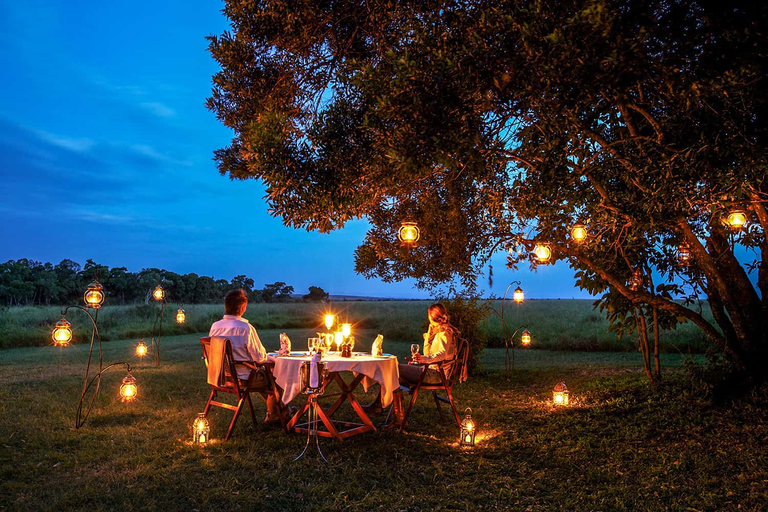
[439, 344]
[246, 345]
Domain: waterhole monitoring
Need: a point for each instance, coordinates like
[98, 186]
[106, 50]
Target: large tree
[498, 124]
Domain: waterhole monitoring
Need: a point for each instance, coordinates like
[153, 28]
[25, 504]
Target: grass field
[620, 446]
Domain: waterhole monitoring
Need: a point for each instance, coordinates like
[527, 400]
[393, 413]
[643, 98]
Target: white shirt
[246, 345]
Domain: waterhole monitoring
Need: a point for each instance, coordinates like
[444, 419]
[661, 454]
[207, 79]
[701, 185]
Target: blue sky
[106, 153]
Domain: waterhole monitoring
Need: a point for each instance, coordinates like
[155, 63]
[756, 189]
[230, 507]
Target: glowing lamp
[141, 349]
[684, 255]
[408, 233]
[329, 320]
[201, 430]
[128, 389]
[579, 233]
[542, 252]
[181, 316]
[525, 338]
[158, 293]
[338, 339]
[346, 329]
[468, 430]
[94, 295]
[62, 333]
[518, 296]
[560, 394]
[636, 281]
[736, 219]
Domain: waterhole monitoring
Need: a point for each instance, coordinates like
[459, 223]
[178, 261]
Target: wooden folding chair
[451, 371]
[241, 389]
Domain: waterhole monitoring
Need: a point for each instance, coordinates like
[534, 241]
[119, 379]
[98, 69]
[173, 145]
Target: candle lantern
[736, 218]
[128, 389]
[525, 338]
[467, 429]
[201, 430]
[141, 349]
[158, 293]
[338, 338]
[579, 233]
[560, 394]
[329, 321]
[542, 252]
[408, 233]
[94, 295]
[346, 330]
[181, 316]
[62, 333]
[684, 255]
[636, 281]
[518, 296]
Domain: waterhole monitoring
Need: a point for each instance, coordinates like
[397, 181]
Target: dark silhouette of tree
[316, 294]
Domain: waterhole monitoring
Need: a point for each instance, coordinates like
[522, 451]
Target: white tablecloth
[382, 369]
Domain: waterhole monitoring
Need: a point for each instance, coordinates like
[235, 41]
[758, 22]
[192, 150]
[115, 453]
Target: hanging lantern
[636, 281]
[684, 255]
[181, 316]
[158, 293]
[62, 333]
[560, 394]
[408, 233]
[467, 429]
[128, 389]
[141, 349]
[94, 295]
[525, 338]
[346, 330]
[736, 219]
[518, 296]
[329, 321]
[579, 233]
[542, 252]
[201, 430]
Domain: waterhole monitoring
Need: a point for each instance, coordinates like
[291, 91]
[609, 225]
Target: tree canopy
[496, 125]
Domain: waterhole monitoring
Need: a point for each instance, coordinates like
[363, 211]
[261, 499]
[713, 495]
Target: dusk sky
[106, 153]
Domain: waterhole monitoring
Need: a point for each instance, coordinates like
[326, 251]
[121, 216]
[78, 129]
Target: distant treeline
[26, 282]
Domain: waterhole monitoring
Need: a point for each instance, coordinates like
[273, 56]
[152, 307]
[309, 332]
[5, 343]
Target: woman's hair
[438, 314]
[235, 301]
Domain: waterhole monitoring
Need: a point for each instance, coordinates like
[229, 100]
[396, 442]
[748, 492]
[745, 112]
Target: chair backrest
[217, 354]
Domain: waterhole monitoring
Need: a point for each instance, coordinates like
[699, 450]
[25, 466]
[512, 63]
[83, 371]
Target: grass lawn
[620, 446]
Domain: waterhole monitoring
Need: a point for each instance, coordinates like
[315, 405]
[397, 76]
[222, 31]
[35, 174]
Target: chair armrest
[253, 365]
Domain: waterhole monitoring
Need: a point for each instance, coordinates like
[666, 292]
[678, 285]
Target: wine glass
[311, 344]
[414, 351]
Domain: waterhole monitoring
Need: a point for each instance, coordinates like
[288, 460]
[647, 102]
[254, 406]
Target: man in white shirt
[246, 345]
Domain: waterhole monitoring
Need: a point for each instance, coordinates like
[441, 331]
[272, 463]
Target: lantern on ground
[542, 252]
[636, 281]
[736, 218]
[158, 293]
[201, 430]
[684, 255]
[346, 330]
[518, 296]
[408, 233]
[94, 295]
[525, 338]
[141, 349]
[560, 394]
[128, 388]
[467, 429]
[329, 321]
[181, 316]
[579, 233]
[62, 333]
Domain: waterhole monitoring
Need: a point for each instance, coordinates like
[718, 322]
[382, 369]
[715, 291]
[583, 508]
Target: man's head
[235, 302]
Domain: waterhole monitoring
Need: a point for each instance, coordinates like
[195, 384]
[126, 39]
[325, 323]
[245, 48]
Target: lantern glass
[518, 295]
[684, 255]
[181, 316]
[525, 338]
[468, 430]
[636, 281]
[338, 338]
[158, 293]
[128, 389]
[560, 394]
[62, 333]
[141, 349]
[201, 430]
[579, 233]
[542, 252]
[408, 233]
[329, 321]
[94, 295]
[346, 330]
[736, 219]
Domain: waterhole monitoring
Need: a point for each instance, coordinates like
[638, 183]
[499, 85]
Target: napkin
[285, 345]
[314, 378]
[376, 346]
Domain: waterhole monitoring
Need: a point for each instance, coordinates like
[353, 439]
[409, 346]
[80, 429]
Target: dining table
[366, 369]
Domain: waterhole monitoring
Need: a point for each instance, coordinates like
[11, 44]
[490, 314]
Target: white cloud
[150, 152]
[158, 109]
[79, 145]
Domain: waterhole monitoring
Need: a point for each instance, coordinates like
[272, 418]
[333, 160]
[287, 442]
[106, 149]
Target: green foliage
[316, 294]
[467, 314]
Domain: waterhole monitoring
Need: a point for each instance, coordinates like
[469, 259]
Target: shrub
[468, 314]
